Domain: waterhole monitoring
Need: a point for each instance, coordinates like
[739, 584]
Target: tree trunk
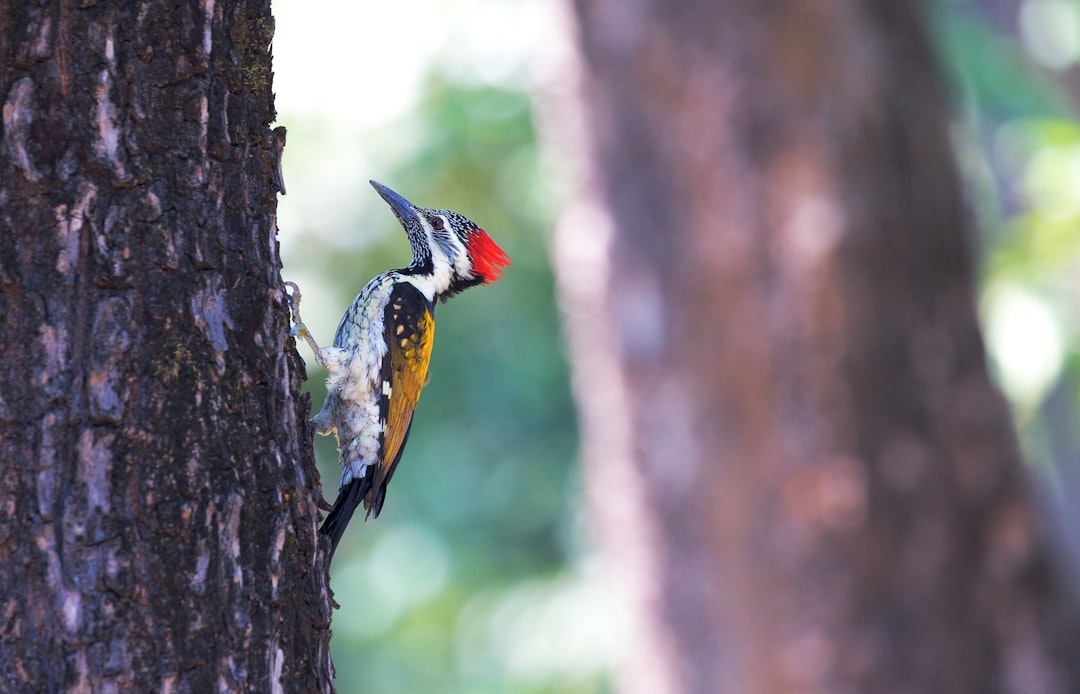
[794, 453]
[157, 508]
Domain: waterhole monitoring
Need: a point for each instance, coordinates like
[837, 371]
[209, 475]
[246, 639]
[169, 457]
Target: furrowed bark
[157, 506]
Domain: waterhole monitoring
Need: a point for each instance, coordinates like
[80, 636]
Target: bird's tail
[349, 497]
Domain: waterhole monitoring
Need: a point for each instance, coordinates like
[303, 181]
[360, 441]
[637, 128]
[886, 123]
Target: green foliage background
[478, 576]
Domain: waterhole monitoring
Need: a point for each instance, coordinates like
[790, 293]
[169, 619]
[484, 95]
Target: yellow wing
[409, 330]
[410, 352]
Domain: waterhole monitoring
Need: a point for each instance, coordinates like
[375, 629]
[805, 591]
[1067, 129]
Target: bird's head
[447, 246]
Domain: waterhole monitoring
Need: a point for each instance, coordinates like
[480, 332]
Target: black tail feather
[349, 497]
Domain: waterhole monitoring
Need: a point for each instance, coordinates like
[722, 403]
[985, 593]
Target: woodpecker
[378, 363]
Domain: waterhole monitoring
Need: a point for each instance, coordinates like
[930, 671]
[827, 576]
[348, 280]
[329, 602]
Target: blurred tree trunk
[794, 453]
[157, 511]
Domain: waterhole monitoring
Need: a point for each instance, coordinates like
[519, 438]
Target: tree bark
[794, 454]
[157, 506]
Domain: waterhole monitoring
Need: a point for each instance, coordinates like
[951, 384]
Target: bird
[378, 363]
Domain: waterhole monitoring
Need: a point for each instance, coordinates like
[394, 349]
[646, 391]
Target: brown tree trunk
[157, 508]
[796, 458]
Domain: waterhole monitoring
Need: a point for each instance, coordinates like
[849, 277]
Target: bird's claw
[298, 329]
[293, 298]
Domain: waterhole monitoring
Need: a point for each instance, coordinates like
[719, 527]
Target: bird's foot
[293, 299]
[299, 329]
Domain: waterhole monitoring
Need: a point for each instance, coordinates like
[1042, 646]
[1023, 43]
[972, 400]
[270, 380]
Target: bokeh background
[479, 575]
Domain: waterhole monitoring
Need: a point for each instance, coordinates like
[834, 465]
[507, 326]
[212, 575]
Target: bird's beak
[402, 208]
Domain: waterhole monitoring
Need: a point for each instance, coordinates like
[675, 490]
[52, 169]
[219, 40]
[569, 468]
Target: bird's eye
[437, 223]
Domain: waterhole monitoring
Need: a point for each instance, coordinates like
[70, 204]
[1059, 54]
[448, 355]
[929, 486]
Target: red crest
[488, 260]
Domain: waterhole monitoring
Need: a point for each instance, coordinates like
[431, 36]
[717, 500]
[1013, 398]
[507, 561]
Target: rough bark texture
[157, 508]
[793, 449]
